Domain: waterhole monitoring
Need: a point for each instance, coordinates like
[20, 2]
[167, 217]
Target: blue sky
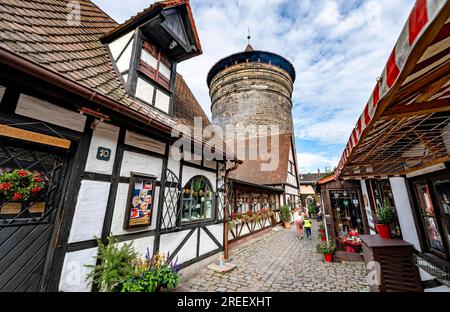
[338, 48]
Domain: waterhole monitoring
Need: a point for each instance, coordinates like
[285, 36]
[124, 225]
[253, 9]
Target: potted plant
[285, 216]
[322, 235]
[327, 249]
[17, 187]
[385, 216]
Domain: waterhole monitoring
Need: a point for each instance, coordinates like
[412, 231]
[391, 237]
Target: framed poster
[140, 201]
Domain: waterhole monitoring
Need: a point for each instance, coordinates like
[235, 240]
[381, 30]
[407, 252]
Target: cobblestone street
[278, 261]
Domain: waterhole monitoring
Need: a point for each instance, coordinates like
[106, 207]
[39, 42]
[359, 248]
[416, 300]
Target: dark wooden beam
[424, 108]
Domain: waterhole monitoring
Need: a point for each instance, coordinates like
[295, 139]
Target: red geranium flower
[22, 173]
[38, 179]
[249, 213]
[36, 189]
[5, 186]
[17, 196]
[233, 215]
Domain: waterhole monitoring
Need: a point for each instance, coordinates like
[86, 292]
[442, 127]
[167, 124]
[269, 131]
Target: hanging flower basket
[20, 185]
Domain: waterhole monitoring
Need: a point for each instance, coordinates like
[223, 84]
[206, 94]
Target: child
[307, 224]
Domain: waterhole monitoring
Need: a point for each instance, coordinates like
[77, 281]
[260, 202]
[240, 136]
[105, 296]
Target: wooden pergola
[405, 125]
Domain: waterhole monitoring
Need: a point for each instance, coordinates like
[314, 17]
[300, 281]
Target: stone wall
[252, 94]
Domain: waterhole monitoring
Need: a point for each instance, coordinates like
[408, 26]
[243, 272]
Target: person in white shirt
[299, 218]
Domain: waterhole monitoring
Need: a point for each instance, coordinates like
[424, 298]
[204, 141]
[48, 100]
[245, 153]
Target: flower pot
[287, 225]
[384, 230]
[328, 257]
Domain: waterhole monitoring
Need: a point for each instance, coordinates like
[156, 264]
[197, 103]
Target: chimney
[318, 171]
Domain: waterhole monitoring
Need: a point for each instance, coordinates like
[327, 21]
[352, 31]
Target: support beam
[424, 108]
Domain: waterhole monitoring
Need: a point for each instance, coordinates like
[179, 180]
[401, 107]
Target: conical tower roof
[249, 48]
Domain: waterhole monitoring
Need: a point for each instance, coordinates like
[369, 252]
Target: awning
[405, 125]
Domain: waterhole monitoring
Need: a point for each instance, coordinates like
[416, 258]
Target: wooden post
[227, 202]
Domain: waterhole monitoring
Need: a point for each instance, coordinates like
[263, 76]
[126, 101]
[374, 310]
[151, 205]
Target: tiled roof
[185, 105]
[162, 4]
[250, 170]
[38, 31]
[305, 178]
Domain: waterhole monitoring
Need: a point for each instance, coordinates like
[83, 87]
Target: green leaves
[285, 213]
[114, 265]
[326, 248]
[386, 214]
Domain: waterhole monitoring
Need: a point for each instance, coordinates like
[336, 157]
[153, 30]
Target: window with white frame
[197, 200]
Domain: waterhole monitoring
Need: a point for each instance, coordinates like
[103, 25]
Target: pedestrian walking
[298, 218]
[307, 224]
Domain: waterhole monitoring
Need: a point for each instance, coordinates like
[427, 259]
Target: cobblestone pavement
[279, 261]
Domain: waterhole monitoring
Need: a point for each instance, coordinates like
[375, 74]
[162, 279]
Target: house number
[103, 153]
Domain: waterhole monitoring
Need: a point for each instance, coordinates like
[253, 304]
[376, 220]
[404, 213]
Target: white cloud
[338, 48]
[311, 162]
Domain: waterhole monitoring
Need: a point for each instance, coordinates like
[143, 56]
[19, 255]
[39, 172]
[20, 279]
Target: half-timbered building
[87, 108]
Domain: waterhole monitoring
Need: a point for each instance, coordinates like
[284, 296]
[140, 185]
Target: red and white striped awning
[423, 42]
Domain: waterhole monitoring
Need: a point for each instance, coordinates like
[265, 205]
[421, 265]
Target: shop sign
[17, 133]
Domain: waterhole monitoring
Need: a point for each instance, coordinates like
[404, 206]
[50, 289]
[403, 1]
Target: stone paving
[279, 261]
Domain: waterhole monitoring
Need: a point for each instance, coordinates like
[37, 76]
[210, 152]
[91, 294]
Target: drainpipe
[225, 224]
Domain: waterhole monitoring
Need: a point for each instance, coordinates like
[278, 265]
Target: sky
[338, 49]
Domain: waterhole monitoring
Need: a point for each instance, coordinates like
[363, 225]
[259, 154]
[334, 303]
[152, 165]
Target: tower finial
[248, 36]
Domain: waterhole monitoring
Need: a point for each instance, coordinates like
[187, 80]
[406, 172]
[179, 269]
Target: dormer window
[146, 49]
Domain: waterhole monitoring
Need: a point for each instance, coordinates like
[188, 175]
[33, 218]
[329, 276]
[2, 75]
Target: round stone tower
[252, 88]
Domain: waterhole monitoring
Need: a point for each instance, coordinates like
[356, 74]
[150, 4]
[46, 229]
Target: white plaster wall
[189, 250]
[173, 165]
[2, 92]
[116, 47]
[105, 135]
[135, 162]
[217, 231]
[143, 142]
[206, 243]
[190, 172]
[370, 217]
[404, 211]
[141, 244]
[120, 208]
[74, 271]
[291, 190]
[89, 211]
[168, 242]
[41, 110]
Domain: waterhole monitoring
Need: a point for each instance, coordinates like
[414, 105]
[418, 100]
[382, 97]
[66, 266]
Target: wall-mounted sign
[30, 136]
[140, 201]
[103, 153]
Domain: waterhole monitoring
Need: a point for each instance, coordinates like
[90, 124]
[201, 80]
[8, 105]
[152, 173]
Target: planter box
[11, 209]
[37, 208]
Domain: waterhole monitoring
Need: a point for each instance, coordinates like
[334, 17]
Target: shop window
[197, 200]
[346, 211]
[381, 192]
[140, 201]
[433, 199]
[242, 203]
[31, 182]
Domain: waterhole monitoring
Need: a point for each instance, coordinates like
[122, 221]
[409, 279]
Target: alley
[279, 261]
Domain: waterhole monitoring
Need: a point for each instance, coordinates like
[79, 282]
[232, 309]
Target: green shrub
[113, 267]
[285, 214]
[385, 214]
[326, 248]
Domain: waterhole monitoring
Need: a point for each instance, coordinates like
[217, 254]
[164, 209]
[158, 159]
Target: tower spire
[249, 47]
